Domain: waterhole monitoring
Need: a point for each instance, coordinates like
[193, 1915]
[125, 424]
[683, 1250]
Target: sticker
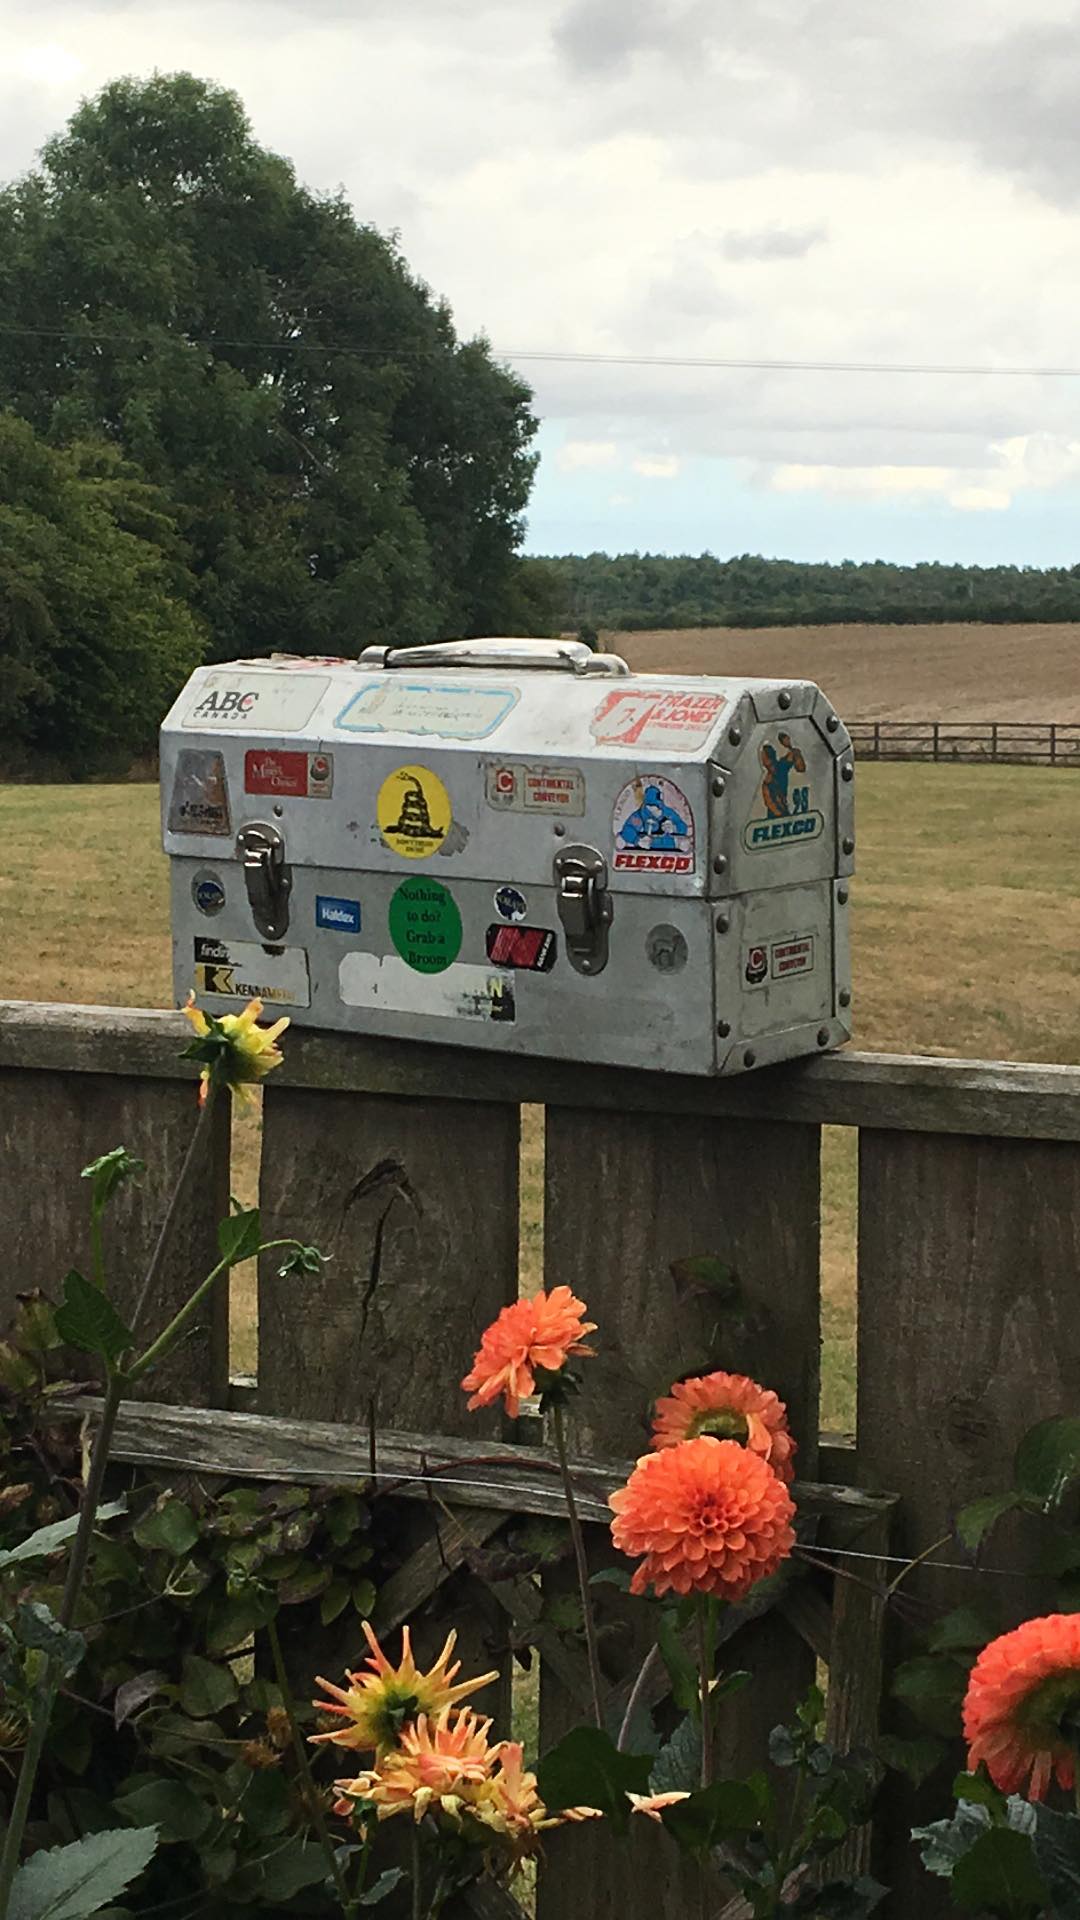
[788, 813]
[664, 720]
[249, 972]
[428, 707]
[199, 802]
[531, 948]
[254, 701]
[536, 789]
[208, 893]
[341, 916]
[425, 925]
[666, 949]
[779, 960]
[381, 980]
[285, 771]
[510, 903]
[414, 812]
[653, 827]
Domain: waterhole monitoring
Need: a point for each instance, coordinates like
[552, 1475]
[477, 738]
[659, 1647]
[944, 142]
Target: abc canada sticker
[653, 827]
[414, 812]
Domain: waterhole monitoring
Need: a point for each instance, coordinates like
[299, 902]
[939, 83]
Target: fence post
[877, 739]
[993, 740]
[937, 739]
[1053, 744]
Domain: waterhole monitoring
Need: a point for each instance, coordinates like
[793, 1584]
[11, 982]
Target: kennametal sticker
[240, 969]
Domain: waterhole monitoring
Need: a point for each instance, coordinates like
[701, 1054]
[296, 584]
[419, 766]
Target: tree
[343, 469]
[95, 636]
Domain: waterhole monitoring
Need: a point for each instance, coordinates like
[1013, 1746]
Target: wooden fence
[1028, 743]
[403, 1163]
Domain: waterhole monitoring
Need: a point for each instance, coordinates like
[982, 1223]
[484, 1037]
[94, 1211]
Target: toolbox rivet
[722, 923]
[842, 896]
[559, 832]
[718, 788]
[847, 771]
[832, 722]
[734, 735]
[849, 844]
[719, 865]
[845, 997]
[278, 809]
[749, 1057]
[723, 1028]
[783, 700]
[823, 1036]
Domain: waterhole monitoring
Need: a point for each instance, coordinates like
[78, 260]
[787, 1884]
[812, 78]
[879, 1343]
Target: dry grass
[953, 672]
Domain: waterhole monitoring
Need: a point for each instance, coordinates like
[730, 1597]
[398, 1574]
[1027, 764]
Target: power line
[560, 356]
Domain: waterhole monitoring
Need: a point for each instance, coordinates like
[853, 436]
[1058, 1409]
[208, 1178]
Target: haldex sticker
[425, 925]
[653, 827]
[661, 720]
[255, 702]
[788, 818]
[449, 712]
[338, 916]
[287, 771]
[199, 802]
[383, 981]
[414, 812]
[239, 968]
[532, 789]
[530, 949]
[777, 959]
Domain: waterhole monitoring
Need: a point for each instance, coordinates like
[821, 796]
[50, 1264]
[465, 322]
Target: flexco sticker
[381, 980]
[199, 802]
[653, 827]
[520, 789]
[208, 893]
[339, 916]
[286, 771]
[778, 960]
[666, 949]
[663, 720]
[414, 812]
[428, 707]
[788, 819]
[238, 967]
[255, 702]
[510, 903]
[530, 949]
[425, 925]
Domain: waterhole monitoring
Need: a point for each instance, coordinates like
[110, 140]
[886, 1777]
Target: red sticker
[530, 948]
[286, 772]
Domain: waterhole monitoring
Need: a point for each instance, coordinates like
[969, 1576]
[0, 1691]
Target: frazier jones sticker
[660, 720]
[653, 827]
[785, 796]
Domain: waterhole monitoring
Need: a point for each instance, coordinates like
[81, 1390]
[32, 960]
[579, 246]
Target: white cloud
[575, 454]
[1027, 463]
[656, 466]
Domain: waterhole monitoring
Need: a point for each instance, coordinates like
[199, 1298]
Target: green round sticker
[425, 925]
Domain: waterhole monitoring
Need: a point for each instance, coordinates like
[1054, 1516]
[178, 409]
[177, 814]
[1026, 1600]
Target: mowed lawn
[965, 919]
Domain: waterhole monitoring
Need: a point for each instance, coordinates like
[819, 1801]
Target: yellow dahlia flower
[235, 1052]
[377, 1706]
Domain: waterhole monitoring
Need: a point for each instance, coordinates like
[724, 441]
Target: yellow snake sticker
[414, 812]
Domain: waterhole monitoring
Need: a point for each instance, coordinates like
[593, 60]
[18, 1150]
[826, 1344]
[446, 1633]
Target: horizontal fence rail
[1027, 743]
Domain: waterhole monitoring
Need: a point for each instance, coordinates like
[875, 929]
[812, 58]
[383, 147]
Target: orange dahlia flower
[654, 1803]
[377, 1705]
[508, 1803]
[708, 1516]
[541, 1332]
[730, 1407]
[435, 1762]
[1021, 1687]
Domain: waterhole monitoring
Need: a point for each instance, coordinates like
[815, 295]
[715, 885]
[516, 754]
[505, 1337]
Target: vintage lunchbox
[515, 844]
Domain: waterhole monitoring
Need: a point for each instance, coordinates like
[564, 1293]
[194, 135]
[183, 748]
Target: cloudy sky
[635, 182]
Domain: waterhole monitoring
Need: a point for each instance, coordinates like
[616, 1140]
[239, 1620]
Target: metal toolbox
[515, 844]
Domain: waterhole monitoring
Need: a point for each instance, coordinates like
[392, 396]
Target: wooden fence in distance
[402, 1162]
[1027, 743]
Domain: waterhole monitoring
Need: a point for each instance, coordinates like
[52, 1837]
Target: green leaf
[308, 1584]
[48, 1540]
[169, 1804]
[239, 1236]
[108, 1172]
[1047, 1461]
[265, 1806]
[37, 1627]
[235, 1618]
[381, 1887]
[205, 1687]
[88, 1320]
[302, 1260]
[839, 1900]
[721, 1812]
[334, 1601]
[999, 1872]
[682, 1671]
[933, 1686]
[1057, 1856]
[168, 1525]
[945, 1842]
[677, 1766]
[364, 1596]
[619, 1577]
[284, 1872]
[977, 1790]
[965, 1630]
[134, 1693]
[69, 1883]
[587, 1770]
[974, 1522]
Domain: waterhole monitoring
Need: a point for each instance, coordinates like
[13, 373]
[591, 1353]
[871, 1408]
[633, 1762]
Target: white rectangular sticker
[243, 970]
[255, 702]
[428, 707]
[458, 993]
[658, 719]
[778, 959]
[521, 789]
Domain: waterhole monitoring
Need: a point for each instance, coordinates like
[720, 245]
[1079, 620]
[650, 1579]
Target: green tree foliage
[640, 590]
[342, 467]
[95, 634]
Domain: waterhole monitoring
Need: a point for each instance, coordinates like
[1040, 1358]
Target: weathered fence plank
[52, 1124]
[968, 1333]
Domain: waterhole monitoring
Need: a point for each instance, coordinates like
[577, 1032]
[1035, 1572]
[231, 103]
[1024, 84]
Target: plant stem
[157, 1257]
[636, 1691]
[578, 1539]
[705, 1682]
[166, 1340]
[304, 1769]
[97, 1247]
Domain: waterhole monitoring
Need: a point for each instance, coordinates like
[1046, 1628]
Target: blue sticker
[208, 893]
[449, 712]
[342, 915]
[510, 903]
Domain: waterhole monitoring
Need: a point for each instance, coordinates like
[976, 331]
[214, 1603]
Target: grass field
[954, 672]
[966, 929]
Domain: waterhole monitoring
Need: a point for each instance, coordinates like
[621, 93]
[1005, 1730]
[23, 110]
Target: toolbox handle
[568, 656]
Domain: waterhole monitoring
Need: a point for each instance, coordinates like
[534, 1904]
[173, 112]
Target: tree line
[646, 590]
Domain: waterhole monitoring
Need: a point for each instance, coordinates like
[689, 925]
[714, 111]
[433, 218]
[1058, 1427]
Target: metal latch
[586, 908]
[267, 879]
